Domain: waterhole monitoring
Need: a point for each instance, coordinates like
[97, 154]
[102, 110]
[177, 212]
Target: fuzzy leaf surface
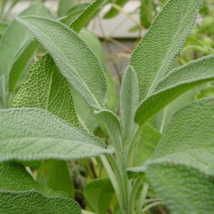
[46, 88]
[30, 134]
[129, 101]
[76, 61]
[152, 57]
[176, 83]
[26, 202]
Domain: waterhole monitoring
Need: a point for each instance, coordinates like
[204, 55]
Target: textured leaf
[14, 177]
[110, 122]
[152, 57]
[73, 13]
[85, 113]
[185, 189]
[85, 16]
[161, 120]
[129, 101]
[15, 38]
[113, 11]
[147, 143]
[181, 169]
[26, 202]
[177, 82]
[21, 62]
[98, 194]
[44, 87]
[33, 134]
[74, 58]
[64, 7]
[59, 179]
[191, 127]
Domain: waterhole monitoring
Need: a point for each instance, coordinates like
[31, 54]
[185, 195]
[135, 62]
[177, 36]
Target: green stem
[133, 194]
[142, 198]
[130, 151]
[121, 182]
[152, 205]
[114, 181]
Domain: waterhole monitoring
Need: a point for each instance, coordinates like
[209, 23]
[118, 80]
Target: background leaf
[98, 194]
[64, 7]
[11, 45]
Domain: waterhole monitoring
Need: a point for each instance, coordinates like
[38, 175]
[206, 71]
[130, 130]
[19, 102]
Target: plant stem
[115, 183]
[132, 196]
[142, 198]
[131, 147]
[121, 182]
[152, 205]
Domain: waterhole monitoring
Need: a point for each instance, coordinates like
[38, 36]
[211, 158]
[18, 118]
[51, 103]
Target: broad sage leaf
[15, 178]
[152, 57]
[76, 61]
[181, 168]
[20, 193]
[30, 134]
[98, 194]
[26, 202]
[176, 83]
[44, 87]
[15, 38]
[129, 101]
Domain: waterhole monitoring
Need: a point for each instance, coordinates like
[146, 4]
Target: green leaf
[76, 61]
[40, 135]
[181, 168]
[64, 7]
[59, 179]
[94, 44]
[26, 202]
[15, 178]
[85, 113]
[98, 194]
[208, 91]
[146, 13]
[3, 26]
[86, 15]
[19, 193]
[177, 82]
[161, 120]
[15, 38]
[113, 11]
[153, 56]
[21, 62]
[182, 136]
[73, 13]
[110, 122]
[112, 97]
[147, 143]
[129, 101]
[44, 87]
